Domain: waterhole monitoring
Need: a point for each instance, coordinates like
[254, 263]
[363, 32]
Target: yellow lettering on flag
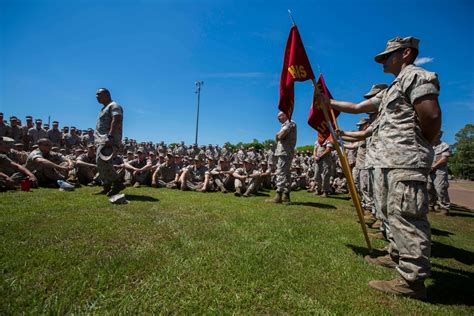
[292, 70]
[302, 72]
[297, 72]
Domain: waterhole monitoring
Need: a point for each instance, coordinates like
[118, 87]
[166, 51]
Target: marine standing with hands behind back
[402, 136]
[284, 152]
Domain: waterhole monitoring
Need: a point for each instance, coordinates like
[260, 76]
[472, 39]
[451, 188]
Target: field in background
[186, 252]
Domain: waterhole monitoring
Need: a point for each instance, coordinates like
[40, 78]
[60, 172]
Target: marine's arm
[429, 115]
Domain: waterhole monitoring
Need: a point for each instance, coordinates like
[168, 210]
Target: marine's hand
[323, 99]
[34, 181]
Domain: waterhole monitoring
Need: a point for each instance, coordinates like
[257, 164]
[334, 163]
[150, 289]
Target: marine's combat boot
[443, 211]
[238, 191]
[276, 199]
[383, 261]
[223, 189]
[116, 188]
[286, 197]
[402, 287]
[377, 235]
[105, 189]
[376, 225]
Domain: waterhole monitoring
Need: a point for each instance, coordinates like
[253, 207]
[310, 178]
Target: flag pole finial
[291, 17]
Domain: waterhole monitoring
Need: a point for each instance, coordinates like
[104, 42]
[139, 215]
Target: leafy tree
[461, 164]
[255, 144]
[305, 148]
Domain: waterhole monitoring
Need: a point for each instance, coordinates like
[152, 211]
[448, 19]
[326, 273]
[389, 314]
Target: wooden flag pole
[347, 172]
[344, 162]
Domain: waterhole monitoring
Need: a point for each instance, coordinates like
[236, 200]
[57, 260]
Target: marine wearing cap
[395, 44]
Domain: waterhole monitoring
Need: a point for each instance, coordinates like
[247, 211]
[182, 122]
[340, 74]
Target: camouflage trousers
[401, 197]
[224, 181]
[366, 190]
[283, 174]
[248, 186]
[85, 175]
[48, 176]
[106, 169]
[143, 178]
[438, 189]
[356, 176]
[17, 177]
[322, 175]
[163, 184]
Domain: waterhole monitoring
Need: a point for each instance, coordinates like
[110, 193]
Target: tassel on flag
[296, 67]
[316, 116]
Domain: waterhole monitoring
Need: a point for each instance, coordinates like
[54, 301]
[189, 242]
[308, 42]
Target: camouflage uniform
[340, 185]
[250, 185]
[402, 158]
[166, 174]
[55, 136]
[7, 168]
[284, 153]
[106, 169]
[46, 176]
[35, 134]
[364, 184]
[3, 128]
[15, 132]
[222, 180]
[322, 170]
[142, 177]
[86, 175]
[195, 177]
[438, 180]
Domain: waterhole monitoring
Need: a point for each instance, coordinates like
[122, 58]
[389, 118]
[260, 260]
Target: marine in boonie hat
[362, 121]
[376, 88]
[395, 44]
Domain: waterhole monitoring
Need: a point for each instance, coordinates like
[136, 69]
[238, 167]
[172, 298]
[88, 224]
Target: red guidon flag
[296, 67]
[316, 116]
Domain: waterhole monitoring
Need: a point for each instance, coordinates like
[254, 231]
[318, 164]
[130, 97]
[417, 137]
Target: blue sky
[55, 54]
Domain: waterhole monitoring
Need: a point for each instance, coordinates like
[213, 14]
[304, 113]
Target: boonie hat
[376, 88]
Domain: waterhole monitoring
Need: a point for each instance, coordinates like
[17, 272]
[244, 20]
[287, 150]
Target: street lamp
[199, 84]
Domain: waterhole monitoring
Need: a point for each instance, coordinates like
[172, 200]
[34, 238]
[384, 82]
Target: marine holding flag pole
[296, 67]
[343, 159]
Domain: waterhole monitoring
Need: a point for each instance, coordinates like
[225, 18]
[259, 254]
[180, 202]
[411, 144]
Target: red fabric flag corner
[316, 116]
[296, 67]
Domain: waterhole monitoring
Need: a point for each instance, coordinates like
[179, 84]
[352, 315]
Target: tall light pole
[199, 84]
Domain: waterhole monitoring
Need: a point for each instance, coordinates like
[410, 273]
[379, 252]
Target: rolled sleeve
[423, 85]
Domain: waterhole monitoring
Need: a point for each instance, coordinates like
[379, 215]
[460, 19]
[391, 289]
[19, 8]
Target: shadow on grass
[314, 204]
[363, 251]
[455, 214]
[439, 232]
[460, 211]
[261, 194]
[440, 250]
[345, 198]
[460, 208]
[451, 286]
[141, 198]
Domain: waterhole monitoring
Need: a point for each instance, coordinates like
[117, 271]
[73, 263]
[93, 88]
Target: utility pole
[199, 84]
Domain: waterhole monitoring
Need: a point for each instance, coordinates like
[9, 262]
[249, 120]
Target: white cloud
[235, 75]
[423, 60]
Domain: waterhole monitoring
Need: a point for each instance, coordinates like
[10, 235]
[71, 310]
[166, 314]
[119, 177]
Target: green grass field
[184, 252]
